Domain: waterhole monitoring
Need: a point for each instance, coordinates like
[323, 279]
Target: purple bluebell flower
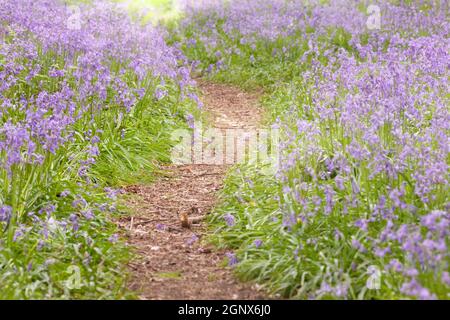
[229, 219]
[5, 213]
[194, 238]
[232, 259]
[258, 243]
[114, 238]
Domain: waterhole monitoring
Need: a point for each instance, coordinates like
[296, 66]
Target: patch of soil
[168, 226]
[231, 107]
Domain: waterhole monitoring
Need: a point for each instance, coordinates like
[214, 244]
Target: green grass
[87, 263]
[152, 10]
[296, 261]
[284, 263]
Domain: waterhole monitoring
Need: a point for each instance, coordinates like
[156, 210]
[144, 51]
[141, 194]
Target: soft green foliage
[71, 265]
[130, 146]
[324, 256]
[154, 11]
[62, 241]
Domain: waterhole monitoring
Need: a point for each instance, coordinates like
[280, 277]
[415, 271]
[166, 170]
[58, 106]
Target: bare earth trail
[174, 262]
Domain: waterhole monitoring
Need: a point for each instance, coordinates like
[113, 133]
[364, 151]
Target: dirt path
[175, 262]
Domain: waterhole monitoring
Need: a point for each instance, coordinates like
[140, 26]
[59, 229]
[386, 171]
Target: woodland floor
[174, 262]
